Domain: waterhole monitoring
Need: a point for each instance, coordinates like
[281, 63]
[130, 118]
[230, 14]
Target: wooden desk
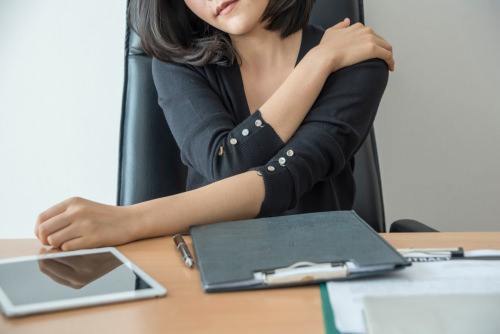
[187, 309]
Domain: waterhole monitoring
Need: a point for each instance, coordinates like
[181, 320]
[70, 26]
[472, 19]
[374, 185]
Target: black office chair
[149, 162]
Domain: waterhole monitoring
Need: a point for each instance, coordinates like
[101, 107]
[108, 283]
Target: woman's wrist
[136, 222]
[326, 59]
[155, 217]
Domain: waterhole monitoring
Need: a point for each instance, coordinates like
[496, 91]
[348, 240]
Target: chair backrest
[149, 162]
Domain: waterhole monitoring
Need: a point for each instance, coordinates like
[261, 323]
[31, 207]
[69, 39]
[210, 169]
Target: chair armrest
[410, 225]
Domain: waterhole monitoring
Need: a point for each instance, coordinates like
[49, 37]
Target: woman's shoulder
[182, 74]
[158, 65]
[172, 78]
[163, 68]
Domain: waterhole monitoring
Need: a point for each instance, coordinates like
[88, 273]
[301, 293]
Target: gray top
[207, 112]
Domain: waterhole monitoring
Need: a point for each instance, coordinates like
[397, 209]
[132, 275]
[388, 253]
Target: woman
[266, 109]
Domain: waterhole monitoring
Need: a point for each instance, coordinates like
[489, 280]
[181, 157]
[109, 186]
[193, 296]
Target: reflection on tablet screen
[45, 280]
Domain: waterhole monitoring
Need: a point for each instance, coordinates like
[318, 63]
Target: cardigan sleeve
[334, 129]
[209, 138]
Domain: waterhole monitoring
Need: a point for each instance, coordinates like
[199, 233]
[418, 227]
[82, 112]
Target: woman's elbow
[376, 74]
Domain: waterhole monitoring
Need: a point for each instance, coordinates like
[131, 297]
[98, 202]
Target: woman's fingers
[342, 24]
[388, 55]
[54, 210]
[49, 213]
[355, 26]
[382, 42]
[385, 55]
[381, 47]
[77, 243]
[56, 239]
[371, 35]
[52, 225]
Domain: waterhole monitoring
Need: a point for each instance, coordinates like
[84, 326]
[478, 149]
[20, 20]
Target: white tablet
[49, 282]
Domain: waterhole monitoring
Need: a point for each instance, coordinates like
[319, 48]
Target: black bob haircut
[170, 31]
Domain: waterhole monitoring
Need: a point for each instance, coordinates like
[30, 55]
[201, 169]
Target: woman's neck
[262, 50]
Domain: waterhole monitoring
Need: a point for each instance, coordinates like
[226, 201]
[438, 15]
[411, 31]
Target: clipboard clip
[304, 272]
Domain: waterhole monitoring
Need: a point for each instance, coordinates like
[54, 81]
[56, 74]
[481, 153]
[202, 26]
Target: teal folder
[328, 315]
[290, 250]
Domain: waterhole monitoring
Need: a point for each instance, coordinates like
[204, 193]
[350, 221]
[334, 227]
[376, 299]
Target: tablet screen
[61, 278]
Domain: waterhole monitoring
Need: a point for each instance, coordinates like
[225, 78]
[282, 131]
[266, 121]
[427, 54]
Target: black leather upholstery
[149, 162]
[150, 166]
[410, 225]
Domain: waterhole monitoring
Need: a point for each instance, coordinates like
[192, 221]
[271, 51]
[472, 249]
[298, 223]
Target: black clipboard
[290, 250]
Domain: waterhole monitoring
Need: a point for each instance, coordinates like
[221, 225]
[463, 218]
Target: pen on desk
[457, 252]
[181, 245]
[432, 254]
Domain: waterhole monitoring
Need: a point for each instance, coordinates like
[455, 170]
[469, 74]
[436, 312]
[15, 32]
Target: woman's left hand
[80, 223]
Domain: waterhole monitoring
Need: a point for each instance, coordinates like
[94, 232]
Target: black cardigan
[207, 112]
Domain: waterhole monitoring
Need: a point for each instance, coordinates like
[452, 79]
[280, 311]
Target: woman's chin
[237, 26]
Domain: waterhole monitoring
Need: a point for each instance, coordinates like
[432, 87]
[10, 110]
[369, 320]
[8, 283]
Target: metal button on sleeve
[271, 168]
[289, 153]
[245, 132]
[258, 122]
[282, 161]
[233, 141]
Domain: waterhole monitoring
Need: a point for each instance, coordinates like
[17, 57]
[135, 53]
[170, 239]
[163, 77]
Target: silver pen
[181, 245]
[431, 254]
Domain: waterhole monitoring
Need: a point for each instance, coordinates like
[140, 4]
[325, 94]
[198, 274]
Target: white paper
[442, 277]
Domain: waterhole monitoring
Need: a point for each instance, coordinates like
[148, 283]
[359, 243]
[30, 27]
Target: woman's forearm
[239, 196]
[236, 197]
[287, 107]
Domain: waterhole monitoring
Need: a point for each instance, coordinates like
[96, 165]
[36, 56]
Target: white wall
[61, 76]
[438, 126]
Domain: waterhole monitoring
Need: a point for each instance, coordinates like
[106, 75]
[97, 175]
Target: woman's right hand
[345, 45]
